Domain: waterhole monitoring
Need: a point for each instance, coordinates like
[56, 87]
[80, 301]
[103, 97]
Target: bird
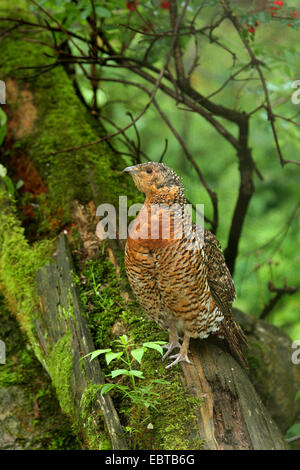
[179, 276]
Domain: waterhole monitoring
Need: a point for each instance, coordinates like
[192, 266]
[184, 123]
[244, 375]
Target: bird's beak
[131, 169]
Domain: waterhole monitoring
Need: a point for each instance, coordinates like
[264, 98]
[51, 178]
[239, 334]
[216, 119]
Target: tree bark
[232, 415]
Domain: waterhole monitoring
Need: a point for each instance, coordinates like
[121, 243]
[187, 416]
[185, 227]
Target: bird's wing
[222, 289]
[218, 275]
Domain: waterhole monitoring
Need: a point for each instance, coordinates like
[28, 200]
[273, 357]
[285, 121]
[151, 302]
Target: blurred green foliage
[268, 249]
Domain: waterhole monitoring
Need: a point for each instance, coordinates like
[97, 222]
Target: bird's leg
[182, 355]
[173, 340]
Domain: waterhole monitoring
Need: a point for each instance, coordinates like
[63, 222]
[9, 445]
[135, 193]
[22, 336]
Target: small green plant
[142, 397]
[11, 188]
[293, 433]
[3, 126]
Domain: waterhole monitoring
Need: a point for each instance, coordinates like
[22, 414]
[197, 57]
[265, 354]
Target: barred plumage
[185, 290]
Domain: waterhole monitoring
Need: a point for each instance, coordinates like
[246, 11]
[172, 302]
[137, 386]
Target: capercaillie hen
[176, 269]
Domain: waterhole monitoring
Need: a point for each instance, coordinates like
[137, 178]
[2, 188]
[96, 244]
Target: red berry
[132, 6]
[271, 10]
[165, 5]
[295, 14]
[279, 3]
[251, 30]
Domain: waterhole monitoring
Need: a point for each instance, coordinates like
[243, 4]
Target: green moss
[38, 412]
[94, 425]
[19, 263]
[60, 367]
[17, 369]
[66, 313]
[175, 423]
[100, 295]
[259, 358]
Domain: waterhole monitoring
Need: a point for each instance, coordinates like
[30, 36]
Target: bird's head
[153, 177]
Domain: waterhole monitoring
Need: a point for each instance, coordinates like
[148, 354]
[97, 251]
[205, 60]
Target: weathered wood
[61, 314]
[232, 415]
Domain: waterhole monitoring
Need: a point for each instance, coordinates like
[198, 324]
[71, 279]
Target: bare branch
[257, 65]
[156, 86]
[273, 301]
[164, 151]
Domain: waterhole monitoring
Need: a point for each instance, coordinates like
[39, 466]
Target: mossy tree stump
[231, 415]
[65, 339]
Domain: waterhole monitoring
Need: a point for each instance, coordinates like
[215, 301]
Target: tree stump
[232, 415]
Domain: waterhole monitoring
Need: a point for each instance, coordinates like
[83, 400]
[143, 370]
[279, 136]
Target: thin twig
[293, 439]
[290, 290]
[156, 86]
[256, 64]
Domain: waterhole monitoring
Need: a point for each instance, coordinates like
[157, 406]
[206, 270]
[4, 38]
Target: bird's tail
[236, 339]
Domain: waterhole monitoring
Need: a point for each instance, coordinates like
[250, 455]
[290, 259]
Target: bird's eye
[149, 171]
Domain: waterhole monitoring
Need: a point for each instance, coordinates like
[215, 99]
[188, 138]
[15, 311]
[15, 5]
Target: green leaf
[10, 185]
[105, 388]
[297, 397]
[123, 340]
[264, 17]
[117, 372]
[156, 342]
[96, 353]
[160, 381]
[136, 373]
[293, 431]
[3, 127]
[102, 12]
[19, 184]
[110, 356]
[155, 345]
[138, 354]
[3, 171]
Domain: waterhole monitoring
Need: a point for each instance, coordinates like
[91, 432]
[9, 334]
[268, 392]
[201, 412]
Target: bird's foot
[169, 347]
[179, 358]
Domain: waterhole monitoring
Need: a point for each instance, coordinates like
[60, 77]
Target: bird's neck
[160, 219]
[168, 196]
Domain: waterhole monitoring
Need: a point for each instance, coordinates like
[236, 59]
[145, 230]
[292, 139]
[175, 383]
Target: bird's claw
[178, 358]
[169, 347]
